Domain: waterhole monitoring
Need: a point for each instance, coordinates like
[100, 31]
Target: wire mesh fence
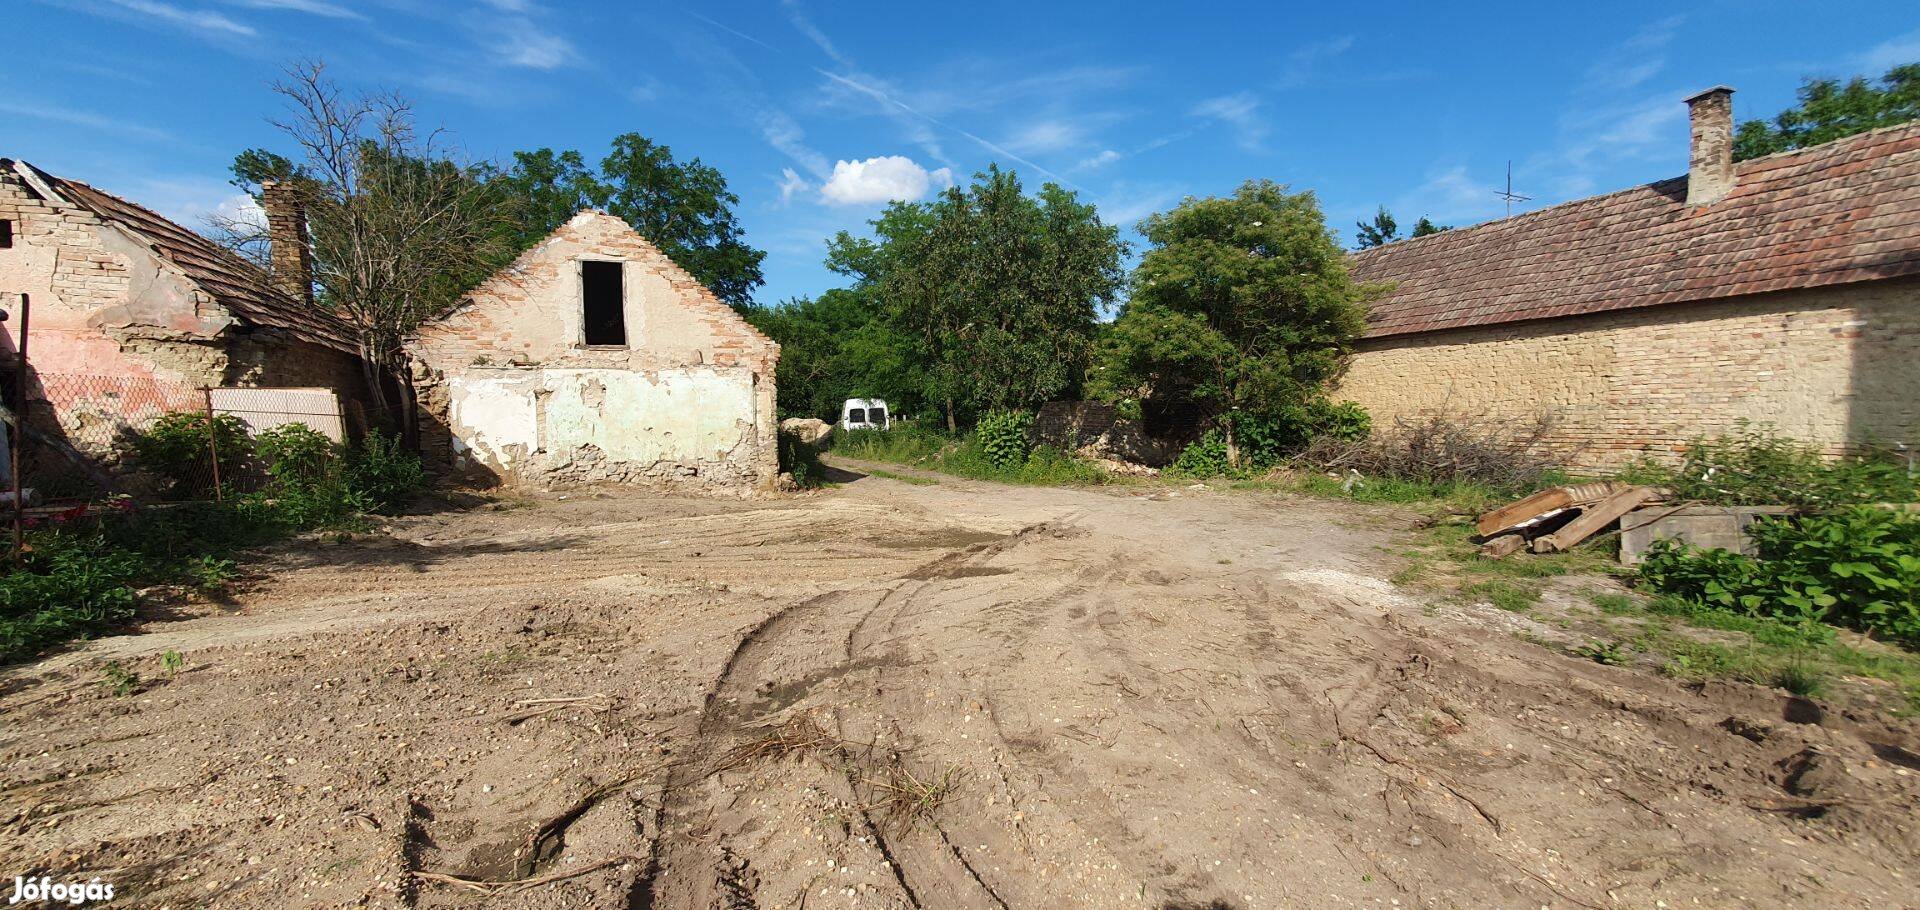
[87, 436]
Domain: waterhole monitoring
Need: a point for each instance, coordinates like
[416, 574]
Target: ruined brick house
[133, 314]
[594, 358]
[1782, 290]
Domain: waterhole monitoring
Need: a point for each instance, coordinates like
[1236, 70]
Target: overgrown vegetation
[801, 460]
[1444, 451]
[966, 455]
[81, 576]
[1755, 465]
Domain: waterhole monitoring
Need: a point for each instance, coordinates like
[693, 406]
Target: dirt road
[940, 695]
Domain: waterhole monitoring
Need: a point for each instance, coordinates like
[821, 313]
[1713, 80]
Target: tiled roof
[240, 286]
[1841, 212]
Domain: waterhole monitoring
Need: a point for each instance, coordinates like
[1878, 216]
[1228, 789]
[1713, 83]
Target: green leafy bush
[381, 475]
[1754, 465]
[1002, 436]
[295, 454]
[71, 586]
[1857, 567]
[175, 447]
[1204, 457]
[801, 460]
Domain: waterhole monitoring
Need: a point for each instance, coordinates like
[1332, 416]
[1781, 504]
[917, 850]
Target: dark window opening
[602, 302]
[856, 415]
[877, 415]
[6, 235]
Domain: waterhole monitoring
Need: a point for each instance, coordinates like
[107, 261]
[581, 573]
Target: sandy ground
[943, 695]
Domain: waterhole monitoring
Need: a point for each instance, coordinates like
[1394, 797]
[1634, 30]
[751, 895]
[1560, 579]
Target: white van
[865, 414]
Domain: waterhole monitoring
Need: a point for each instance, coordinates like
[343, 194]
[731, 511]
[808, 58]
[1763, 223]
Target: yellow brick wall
[1831, 366]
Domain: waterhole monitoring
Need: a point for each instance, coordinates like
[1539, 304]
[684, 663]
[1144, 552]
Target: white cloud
[784, 134]
[1636, 60]
[241, 209]
[1889, 54]
[86, 119]
[1101, 160]
[881, 180]
[1046, 136]
[1302, 63]
[1240, 111]
[202, 20]
[311, 7]
[792, 184]
[646, 90]
[529, 47]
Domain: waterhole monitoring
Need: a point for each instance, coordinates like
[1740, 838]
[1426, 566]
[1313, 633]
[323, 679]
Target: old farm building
[134, 315]
[1783, 290]
[594, 358]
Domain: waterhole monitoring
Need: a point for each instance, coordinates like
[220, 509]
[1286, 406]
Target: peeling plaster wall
[521, 399]
[103, 304]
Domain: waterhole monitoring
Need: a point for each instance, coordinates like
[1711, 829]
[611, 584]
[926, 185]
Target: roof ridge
[1744, 164]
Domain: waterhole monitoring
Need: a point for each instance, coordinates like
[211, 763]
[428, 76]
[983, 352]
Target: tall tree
[1830, 109]
[400, 228]
[1381, 230]
[684, 208]
[997, 292]
[1241, 308]
[1425, 227]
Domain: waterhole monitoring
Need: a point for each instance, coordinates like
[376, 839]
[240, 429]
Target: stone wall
[1831, 366]
[512, 393]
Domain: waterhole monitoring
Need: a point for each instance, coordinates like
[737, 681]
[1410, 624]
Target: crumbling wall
[1830, 366]
[510, 392]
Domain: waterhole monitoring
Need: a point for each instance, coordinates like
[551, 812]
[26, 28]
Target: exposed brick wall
[527, 322]
[1831, 366]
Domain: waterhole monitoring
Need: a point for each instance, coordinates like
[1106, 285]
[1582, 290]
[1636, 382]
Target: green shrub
[1204, 457]
[801, 460]
[296, 454]
[1857, 567]
[175, 447]
[1002, 436]
[1754, 465]
[381, 475]
[71, 586]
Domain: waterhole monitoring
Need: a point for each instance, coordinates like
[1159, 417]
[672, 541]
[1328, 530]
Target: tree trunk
[376, 388]
[952, 426]
[1233, 448]
[409, 409]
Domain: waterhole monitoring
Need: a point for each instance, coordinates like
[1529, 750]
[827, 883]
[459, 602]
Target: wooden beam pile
[1558, 519]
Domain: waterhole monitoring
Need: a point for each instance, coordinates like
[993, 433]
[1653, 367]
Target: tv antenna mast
[1508, 194]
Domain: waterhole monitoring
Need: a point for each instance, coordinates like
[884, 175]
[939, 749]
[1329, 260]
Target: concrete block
[1722, 527]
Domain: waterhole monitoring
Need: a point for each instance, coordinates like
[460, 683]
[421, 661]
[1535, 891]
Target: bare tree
[400, 226]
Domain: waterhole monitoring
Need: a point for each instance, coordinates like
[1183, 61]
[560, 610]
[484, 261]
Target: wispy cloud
[1303, 65]
[1891, 53]
[311, 7]
[86, 119]
[792, 184]
[1106, 157]
[798, 16]
[1241, 111]
[193, 19]
[1631, 63]
[519, 38]
[784, 134]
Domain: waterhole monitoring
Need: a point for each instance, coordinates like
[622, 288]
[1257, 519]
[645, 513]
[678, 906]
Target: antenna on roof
[1508, 194]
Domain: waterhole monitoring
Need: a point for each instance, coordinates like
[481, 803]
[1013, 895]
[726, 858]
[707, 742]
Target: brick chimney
[1710, 158]
[287, 248]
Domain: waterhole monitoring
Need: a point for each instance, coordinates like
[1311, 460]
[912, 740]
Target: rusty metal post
[19, 431]
[213, 442]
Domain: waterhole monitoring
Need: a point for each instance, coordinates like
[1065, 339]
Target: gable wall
[1830, 366]
[519, 398]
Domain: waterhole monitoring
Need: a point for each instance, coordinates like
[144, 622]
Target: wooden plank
[1592, 519]
[1548, 500]
[1503, 546]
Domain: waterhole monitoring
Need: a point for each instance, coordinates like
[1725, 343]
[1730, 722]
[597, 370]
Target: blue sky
[818, 112]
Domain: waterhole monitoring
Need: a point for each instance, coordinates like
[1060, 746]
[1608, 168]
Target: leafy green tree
[837, 346]
[1830, 109]
[1381, 230]
[684, 208]
[995, 293]
[1241, 308]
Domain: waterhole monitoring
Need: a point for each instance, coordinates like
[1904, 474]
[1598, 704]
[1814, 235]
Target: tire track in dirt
[780, 660]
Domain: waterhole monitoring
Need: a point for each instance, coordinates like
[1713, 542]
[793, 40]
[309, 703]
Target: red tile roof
[240, 286]
[1841, 212]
